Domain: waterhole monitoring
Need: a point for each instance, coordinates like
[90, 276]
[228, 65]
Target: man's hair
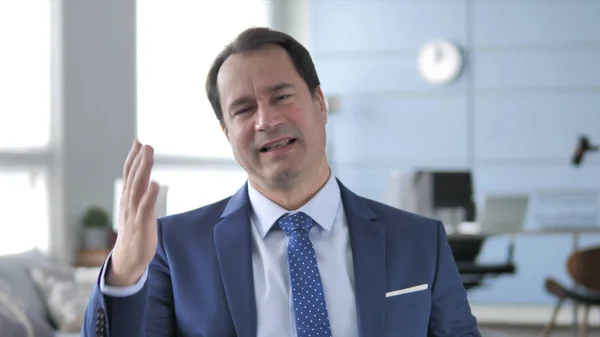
[253, 39]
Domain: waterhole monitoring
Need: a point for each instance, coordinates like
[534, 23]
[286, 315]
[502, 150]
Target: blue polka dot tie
[307, 291]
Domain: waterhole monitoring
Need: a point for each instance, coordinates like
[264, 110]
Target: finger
[133, 159]
[131, 174]
[137, 158]
[147, 208]
[142, 177]
[135, 148]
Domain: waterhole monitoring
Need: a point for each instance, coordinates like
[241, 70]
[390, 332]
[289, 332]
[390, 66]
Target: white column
[292, 17]
[94, 111]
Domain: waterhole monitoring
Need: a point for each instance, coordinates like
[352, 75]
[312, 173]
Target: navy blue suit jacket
[200, 281]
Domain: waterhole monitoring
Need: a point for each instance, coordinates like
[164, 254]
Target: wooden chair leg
[552, 322]
[584, 324]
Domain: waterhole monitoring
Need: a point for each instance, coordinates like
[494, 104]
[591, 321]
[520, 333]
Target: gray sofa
[41, 297]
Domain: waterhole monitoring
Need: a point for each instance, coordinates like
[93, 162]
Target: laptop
[504, 213]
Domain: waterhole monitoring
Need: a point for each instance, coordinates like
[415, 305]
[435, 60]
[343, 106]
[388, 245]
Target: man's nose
[268, 118]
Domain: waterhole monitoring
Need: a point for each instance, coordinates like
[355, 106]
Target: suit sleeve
[146, 313]
[450, 312]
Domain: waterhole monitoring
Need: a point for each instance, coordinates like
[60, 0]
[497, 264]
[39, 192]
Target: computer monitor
[454, 189]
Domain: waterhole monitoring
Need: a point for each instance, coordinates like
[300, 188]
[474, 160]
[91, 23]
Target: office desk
[576, 232]
[468, 247]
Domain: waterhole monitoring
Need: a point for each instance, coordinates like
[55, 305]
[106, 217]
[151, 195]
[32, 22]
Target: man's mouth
[277, 145]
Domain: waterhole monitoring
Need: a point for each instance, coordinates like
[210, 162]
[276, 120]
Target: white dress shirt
[331, 240]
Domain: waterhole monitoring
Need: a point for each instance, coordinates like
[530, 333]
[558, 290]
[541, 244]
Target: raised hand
[137, 235]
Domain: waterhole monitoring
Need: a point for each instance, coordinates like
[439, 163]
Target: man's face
[276, 128]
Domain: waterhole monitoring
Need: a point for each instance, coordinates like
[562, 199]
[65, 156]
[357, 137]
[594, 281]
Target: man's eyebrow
[279, 87]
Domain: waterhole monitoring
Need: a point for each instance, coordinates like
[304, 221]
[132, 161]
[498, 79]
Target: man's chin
[283, 176]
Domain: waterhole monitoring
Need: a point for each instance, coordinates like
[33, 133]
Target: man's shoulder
[396, 218]
[384, 213]
[207, 215]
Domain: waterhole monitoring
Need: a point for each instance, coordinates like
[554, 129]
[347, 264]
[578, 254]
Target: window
[190, 188]
[24, 124]
[25, 217]
[25, 74]
[176, 44]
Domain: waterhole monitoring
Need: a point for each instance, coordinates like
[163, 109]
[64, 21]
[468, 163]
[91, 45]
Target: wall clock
[439, 62]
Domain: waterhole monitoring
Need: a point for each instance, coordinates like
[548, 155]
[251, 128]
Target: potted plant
[97, 228]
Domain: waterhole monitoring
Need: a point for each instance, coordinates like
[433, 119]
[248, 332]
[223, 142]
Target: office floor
[528, 331]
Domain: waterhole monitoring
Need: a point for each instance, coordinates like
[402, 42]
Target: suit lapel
[232, 237]
[233, 246]
[367, 239]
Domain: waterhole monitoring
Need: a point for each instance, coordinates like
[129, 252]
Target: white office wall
[529, 88]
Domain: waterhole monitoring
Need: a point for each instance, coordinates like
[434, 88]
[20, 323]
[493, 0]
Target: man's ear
[224, 129]
[321, 102]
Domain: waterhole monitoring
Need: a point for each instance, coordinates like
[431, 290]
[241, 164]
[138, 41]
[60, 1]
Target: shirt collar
[322, 207]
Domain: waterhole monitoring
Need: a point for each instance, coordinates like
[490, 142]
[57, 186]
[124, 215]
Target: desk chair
[583, 268]
[502, 214]
[473, 273]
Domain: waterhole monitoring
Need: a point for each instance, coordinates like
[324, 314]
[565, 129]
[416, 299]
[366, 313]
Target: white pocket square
[407, 290]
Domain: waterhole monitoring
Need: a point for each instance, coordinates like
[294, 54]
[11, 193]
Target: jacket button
[100, 322]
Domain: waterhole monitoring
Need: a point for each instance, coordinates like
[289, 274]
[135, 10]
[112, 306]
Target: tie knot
[291, 222]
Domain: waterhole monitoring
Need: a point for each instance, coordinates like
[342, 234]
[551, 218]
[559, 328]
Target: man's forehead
[243, 74]
[233, 87]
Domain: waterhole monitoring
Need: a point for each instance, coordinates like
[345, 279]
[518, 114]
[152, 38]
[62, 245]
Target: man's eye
[282, 97]
[242, 111]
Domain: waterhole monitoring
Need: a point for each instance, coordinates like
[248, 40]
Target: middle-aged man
[293, 252]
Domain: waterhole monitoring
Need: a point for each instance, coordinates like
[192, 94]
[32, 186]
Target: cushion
[16, 320]
[66, 294]
[14, 270]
